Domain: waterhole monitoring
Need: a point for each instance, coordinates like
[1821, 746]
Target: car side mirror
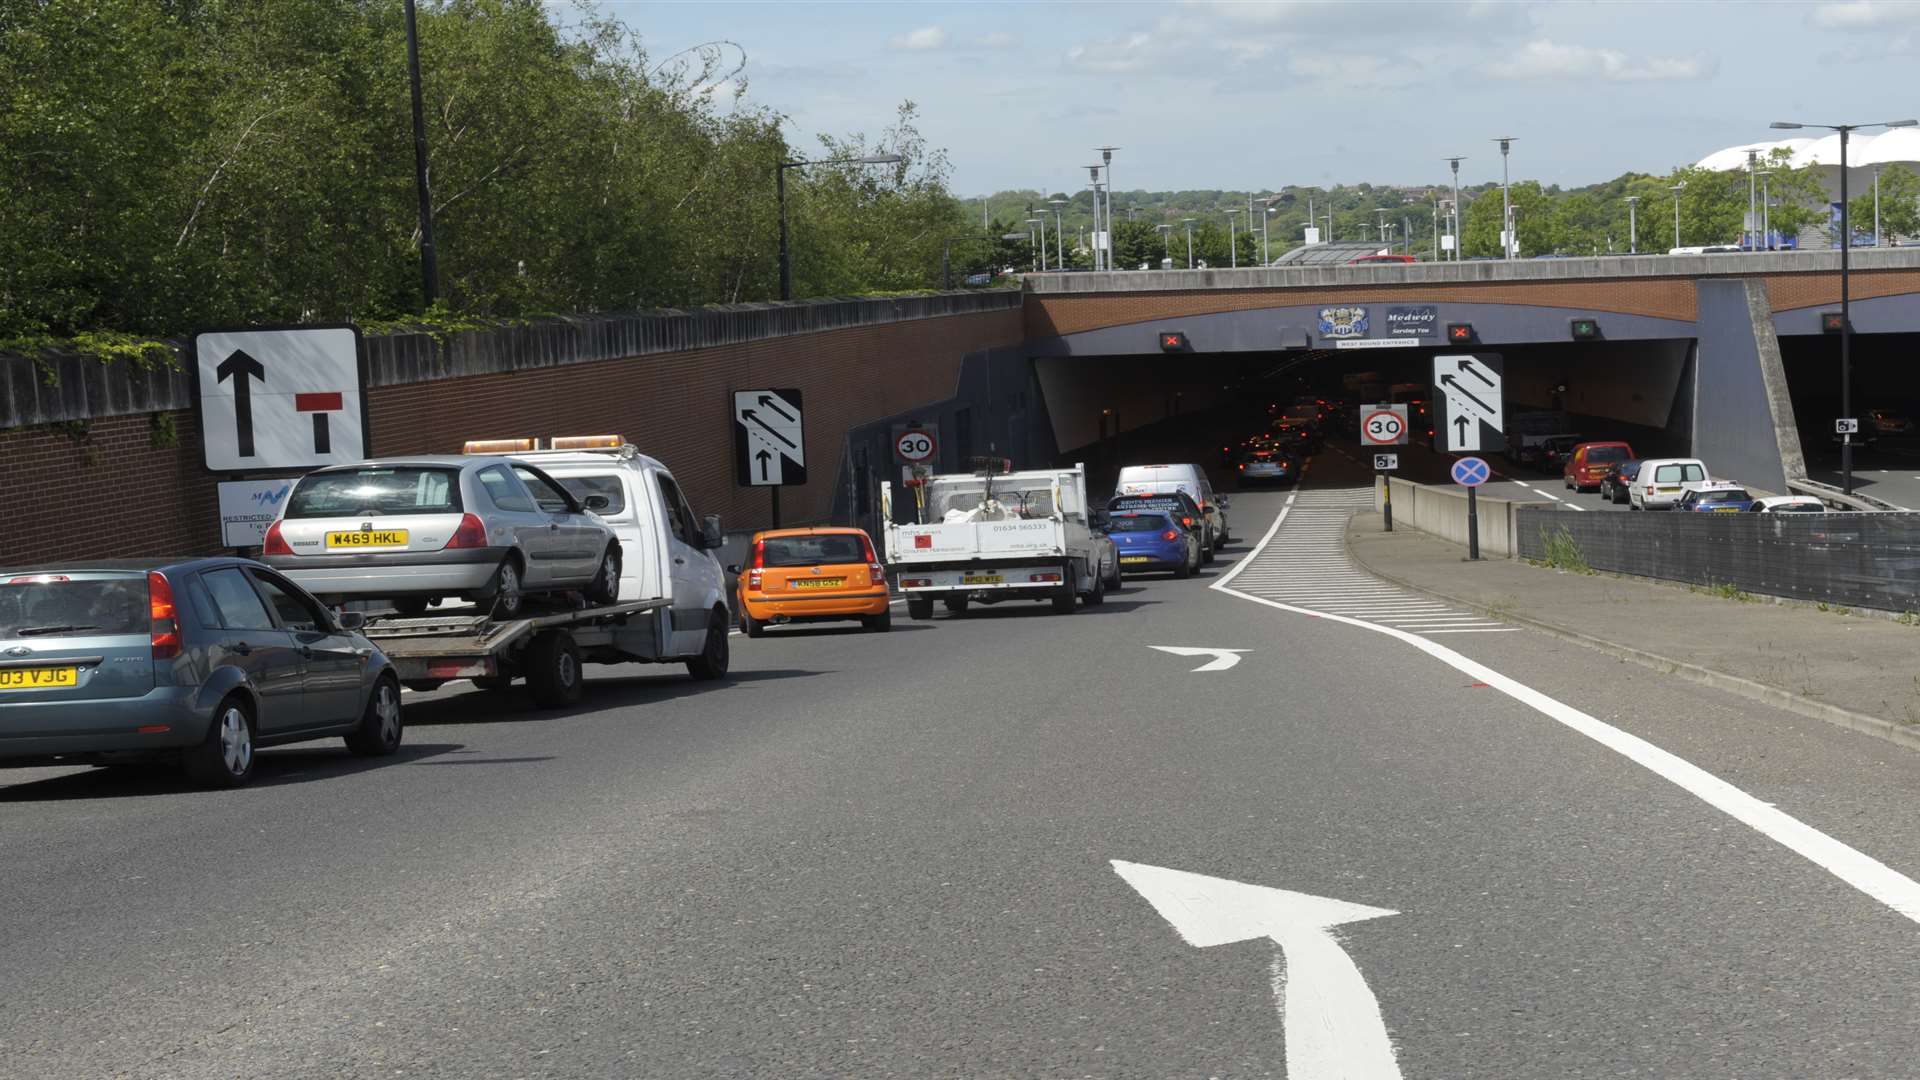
[710, 535]
[1101, 519]
[351, 620]
[596, 503]
[734, 569]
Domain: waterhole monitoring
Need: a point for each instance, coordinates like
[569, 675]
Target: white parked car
[1789, 504]
[1662, 481]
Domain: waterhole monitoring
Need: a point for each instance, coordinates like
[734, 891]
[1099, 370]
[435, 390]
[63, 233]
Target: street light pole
[1093, 184]
[429, 255]
[1766, 210]
[1059, 241]
[1753, 210]
[1233, 249]
[1846, 315]
[1506, 195]
[1677, 189]
[1876, 205]
[1455, 162]
[1166, 240]
[1106, 160]
[1189, 224]
[1633, 225]
[780, 186]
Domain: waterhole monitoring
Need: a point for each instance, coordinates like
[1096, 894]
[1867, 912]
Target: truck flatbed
[467, 643]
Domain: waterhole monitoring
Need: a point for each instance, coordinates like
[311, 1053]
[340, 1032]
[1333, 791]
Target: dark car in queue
[1150, 540]
[1619, 476]
[200, 661]
[1265, 465]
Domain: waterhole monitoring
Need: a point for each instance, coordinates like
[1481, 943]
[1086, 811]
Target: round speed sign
[915, 446]
[1383, 427]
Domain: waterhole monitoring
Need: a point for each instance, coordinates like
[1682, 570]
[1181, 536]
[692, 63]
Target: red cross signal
[1460, 332]
[1173, 341]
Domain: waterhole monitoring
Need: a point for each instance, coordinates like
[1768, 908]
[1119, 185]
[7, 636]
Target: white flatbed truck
[995, 536]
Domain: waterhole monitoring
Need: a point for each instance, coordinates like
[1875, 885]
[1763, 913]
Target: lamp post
[1106, 162]
[1677, 189]
[1506, 195]
[1059, 241]
[1381, 224]
[1039, 249]
[1189, 224]
[1766, 210]
[1266, 227]
[1093, 184]
[1233, 249]
[1166, 240]
[1846, 320]
[1455, 163]
[780, 184]
[1633, 224]
[1876, 204]
[429, 256]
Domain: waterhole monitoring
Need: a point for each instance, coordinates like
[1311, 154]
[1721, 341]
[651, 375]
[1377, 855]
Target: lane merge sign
[1383, 425]
[1386, 462]
[1468, 400]
[769, 438]
[277, 399]
[916, 446]
[1471, 472]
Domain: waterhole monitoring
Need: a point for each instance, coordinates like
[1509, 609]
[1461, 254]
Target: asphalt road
[891, 855]
[1889, 471]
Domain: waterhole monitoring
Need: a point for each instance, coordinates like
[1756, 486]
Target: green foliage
[190, 163]
[163, 433]
[1899, 203]
[1562, 553]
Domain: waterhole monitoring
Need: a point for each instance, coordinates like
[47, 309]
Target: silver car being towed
[490, 530]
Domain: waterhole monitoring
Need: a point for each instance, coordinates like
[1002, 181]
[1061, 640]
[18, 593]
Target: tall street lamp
[1166, 240]
[1766, 209]
[780, 184]
[1506, 195]
[1039, 250]
[1189, 224]
[1093, 184]
[1677, 189]
[1633, 224]
[1106, 161]
[1059, 240]
[1455, 162]
[1233, 249]
[1266, 227]
[1846, 320]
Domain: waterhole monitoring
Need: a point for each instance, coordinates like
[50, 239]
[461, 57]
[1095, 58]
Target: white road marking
[1223, 659]
[1859, 870]
[1331, 1018]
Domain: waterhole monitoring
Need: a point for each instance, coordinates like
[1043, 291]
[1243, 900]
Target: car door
[576, 541]
[332, 660]
[247, 638]
[515, 512]
[686, 564]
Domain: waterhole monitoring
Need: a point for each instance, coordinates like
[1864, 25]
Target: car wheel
[379, 730]
[553, 670]
[1063, 598]
[715, 656]
[956, 605]
[1187, 565]
[751, 626]
[1099, 594]
[878, 624]
[224, 759]
[508, 600]
[920, 607]
[605, 588]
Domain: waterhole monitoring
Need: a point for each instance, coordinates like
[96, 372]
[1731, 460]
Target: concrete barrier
[1443, 513]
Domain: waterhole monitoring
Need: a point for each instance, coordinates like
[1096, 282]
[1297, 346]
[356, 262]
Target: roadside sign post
[1846, 429]
[1384, 425]
[1383, 464]
[1470, 473]
[769, 441]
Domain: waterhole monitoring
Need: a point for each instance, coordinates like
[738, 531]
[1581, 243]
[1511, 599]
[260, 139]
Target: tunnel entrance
[1886, 393]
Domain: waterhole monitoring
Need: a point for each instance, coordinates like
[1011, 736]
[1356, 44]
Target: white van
[1192, 479]
[669, 553]
[1661, 482]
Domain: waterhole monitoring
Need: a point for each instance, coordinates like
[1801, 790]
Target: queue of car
[1682, 484]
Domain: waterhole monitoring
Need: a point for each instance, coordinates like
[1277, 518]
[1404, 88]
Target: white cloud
[1135, 52]
[1357, 70]
[927, 37]
[1863, 14]
[1542, 59]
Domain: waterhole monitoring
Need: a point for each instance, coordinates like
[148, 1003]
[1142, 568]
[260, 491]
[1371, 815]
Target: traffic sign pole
[1386, 499]
[1473, 526]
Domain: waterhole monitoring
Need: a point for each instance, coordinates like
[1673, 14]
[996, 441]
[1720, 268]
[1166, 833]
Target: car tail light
[38, 579]
[275, 544]
[470, 534]
[165, 637]
[1187, 521]
[1243, 468]
[1043, 577]
[1169, 535]
[915, 582]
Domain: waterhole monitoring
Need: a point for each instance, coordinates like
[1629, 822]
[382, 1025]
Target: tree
[1899, 203]
[1536, 225]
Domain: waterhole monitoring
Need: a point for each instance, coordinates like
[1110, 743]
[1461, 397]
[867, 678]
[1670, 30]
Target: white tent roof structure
[1863, 149]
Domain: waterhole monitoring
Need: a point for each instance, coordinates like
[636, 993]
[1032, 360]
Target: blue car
[1152, 541]
[1715, 497]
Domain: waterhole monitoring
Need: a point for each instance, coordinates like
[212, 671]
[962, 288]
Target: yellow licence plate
[981, 579]
[38, 678]
[1134, 558]
[371, 539]
[1726, 509]
[818, 582]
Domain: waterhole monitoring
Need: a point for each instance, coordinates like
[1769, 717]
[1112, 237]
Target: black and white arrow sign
[769, 440]
[272, 399]
[1467, 390]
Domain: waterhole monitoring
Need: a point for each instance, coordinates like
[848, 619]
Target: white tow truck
[996, 535]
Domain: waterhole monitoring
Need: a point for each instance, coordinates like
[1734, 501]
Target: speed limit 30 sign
[1383, 425]
[915, 446]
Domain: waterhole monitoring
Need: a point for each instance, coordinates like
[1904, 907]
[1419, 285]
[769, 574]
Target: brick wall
[1789, 291]
[111, 492]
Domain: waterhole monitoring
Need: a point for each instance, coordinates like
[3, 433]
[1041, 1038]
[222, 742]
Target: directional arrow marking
[1222, 658]
[769, 401]
[1332, 1021]
[751, 417]
[242, 369]
[1468, 367]
[763, 457]
[1462, 397]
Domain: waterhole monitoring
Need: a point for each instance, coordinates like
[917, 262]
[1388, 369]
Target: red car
[1589, 462]
[1381, 259]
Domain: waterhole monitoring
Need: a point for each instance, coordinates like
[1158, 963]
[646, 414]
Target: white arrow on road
[1222, 658]
[1332, 1022]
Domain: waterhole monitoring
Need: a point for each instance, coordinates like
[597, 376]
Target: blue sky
[1205, 94]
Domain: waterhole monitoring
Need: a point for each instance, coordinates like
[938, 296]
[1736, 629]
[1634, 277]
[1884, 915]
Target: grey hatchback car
[200, 660]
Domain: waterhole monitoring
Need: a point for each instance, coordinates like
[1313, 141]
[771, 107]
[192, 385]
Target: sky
[1264, 93]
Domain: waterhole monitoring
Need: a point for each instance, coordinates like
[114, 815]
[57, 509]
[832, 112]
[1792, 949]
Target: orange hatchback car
[813, 575]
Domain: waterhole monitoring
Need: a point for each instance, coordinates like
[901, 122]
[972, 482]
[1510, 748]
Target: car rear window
[1140, 523]
[812, 550]
[1170, 503]
[1678, 474]
[376, 490]
[58, 605]
[1604, 454]
[1724, 496]
[582, 486]
[1800, 508]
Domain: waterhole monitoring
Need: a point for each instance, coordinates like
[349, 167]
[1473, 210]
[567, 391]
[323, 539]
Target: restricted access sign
[1383, 425]
[916, 446]
[272, 399]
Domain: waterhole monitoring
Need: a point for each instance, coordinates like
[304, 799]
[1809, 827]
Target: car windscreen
[1140, 523]
[376, 490]
[1025, 502]
[811, 550]
[582, 486]
[1678, 474]
[59, 605]
[1601, 455]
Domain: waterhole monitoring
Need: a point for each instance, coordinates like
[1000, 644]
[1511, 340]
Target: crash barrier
[1443, 512]
[1844, 559]
[1836, 498]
